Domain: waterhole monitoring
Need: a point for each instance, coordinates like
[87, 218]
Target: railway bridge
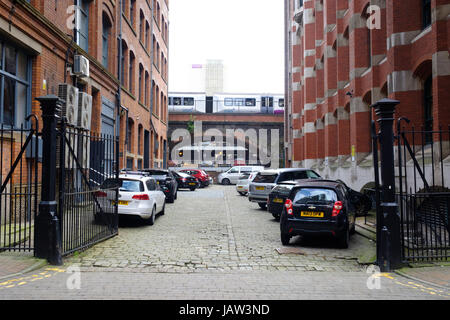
[249, 131]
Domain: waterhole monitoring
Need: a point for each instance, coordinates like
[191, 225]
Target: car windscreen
[265, 178]
[315, 195]
[123, 185]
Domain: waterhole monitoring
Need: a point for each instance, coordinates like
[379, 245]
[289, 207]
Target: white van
[231, 176]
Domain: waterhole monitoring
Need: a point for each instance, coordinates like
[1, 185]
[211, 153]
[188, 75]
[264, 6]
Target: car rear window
[132, 186]
[124, 185]
[156, 173]
[297, 175]
[265, 178]
[314, 195]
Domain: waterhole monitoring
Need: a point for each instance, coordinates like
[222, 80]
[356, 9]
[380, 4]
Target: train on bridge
[226, 103]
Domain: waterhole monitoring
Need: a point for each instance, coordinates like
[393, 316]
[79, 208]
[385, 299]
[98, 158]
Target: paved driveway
[214, 244]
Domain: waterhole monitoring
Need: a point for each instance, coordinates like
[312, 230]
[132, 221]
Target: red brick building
[343, 56]
[39, 40]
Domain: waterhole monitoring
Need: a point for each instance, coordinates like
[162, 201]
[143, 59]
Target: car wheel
[344, 239]
[285, 238]
[163, 212]
[242, 193]
[176, 194]
[353, 229]
[226, 182]
[151, 221]
[192, 189]
[263, 206]
[276, 216]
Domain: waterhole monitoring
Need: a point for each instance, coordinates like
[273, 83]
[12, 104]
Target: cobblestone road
[214, 244]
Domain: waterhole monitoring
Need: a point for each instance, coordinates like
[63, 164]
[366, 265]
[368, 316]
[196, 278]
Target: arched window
[141, 79]
[132, 12]
[131, 72]
[147, 35]
[157, 56]
[426, 13]
[158, 14]
[130, 135]
[140, 130]
[428, 109]
[368, 43]
[141, 26]
[106, 36]
[82, 27]
[157, 101]
[124, 62]
[146, 90]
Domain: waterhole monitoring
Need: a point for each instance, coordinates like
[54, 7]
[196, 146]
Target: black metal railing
[20, 187]
[423, 192]
[87, 215]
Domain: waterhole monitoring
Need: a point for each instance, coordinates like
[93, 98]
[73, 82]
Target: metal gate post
[47, 230]
[391, 258]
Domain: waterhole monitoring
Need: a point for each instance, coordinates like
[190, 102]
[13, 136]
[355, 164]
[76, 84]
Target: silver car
[265, 181]
[244, 183]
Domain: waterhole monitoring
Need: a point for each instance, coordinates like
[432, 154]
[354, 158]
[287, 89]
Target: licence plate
[278, 200]
[121, 203]
[312, 214]
[260, 188]
[192, 184]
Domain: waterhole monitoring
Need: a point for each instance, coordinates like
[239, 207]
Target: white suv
[139, 195]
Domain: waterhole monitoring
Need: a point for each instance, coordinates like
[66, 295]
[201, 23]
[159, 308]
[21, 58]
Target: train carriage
[226, 103]
[278, 104]
[187, 102]
[237, 103]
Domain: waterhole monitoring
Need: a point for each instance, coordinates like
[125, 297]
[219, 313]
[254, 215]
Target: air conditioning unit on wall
[69, 109]
[84, 110]
[84, 121]
[81, 66]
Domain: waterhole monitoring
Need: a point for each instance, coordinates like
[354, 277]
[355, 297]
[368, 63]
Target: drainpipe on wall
[119, 89]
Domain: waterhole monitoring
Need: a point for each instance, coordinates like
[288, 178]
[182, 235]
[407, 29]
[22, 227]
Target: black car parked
[319, 207]
[280, 193]
[166, 181]
[186, 181]
[277, 197]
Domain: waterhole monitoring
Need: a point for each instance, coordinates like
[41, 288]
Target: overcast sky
[246, 34]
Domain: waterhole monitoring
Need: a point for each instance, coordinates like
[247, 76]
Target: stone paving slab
[215, 245]
[439, 275]
[216, 229]
[12, 263]
[236, 285]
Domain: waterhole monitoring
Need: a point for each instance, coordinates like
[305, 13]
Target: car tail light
[141, 197]
[337, 208]
[100, 194]
[183, 179]
[289, 207]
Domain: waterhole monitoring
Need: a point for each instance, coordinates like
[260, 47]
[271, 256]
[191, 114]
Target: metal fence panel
[86, 161]
[20, 187]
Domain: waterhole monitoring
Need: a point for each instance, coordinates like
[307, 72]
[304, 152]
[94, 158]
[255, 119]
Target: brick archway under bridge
[224, 122]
